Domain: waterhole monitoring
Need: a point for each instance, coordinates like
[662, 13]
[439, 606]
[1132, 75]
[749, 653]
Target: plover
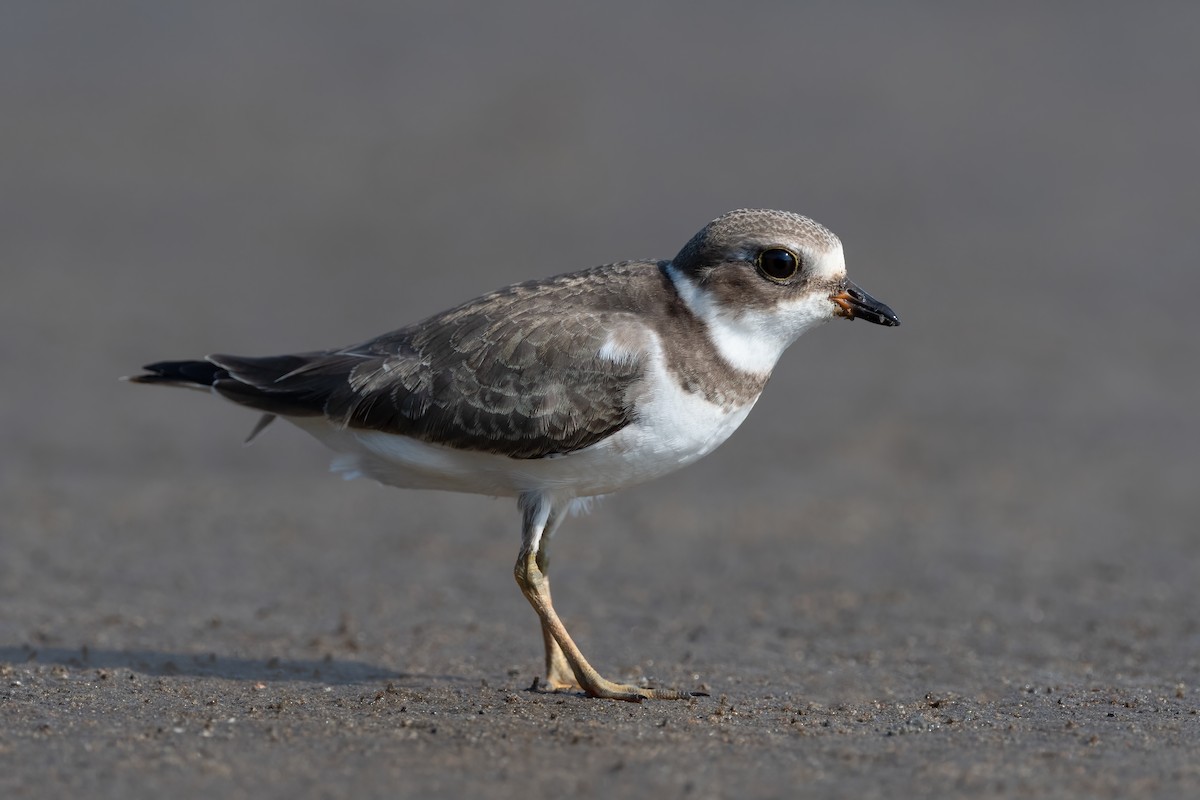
[558, 390]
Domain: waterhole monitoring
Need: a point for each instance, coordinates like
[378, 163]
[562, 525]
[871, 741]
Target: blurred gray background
[995, 502]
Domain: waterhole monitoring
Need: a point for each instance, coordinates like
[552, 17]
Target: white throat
[752, 339]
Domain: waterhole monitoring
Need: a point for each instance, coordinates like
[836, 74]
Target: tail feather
[260, 383]
[182, 373]
[195, 375]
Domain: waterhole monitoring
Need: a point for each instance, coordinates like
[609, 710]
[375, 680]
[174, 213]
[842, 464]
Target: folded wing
[519, 373]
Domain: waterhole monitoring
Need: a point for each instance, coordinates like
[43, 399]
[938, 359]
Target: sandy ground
[959, 557]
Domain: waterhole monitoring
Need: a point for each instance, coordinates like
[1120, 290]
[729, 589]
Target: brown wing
[516, 372]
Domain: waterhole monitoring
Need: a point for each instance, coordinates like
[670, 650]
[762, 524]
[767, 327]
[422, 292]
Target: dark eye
[778, 264]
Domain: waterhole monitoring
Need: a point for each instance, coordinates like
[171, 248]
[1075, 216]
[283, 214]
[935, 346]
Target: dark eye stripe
[778, 264]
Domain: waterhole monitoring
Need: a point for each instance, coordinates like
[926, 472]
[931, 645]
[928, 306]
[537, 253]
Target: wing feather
[518, 372]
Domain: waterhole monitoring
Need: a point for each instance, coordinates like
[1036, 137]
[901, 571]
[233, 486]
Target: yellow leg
[559, 675]
[566, 668]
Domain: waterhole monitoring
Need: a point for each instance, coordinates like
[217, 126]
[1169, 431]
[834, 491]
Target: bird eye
[778, 264]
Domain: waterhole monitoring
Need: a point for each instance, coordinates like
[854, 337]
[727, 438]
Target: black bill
[854, 303]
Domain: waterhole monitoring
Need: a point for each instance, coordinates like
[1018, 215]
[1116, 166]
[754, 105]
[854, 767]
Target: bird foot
[607, 690]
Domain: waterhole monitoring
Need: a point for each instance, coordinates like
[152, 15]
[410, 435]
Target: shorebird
[558, 390]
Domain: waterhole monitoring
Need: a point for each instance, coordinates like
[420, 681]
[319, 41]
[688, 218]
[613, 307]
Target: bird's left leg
[559, 675]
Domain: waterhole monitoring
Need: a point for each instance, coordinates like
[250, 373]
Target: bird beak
[853, 303]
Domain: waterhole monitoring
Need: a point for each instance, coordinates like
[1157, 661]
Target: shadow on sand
[152, 662]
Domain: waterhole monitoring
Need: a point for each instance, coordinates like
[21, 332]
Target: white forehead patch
[830, 263]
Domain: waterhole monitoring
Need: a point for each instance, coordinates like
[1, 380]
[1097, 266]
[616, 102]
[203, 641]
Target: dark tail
[182, 373]
[287, 385]
[201, 374]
